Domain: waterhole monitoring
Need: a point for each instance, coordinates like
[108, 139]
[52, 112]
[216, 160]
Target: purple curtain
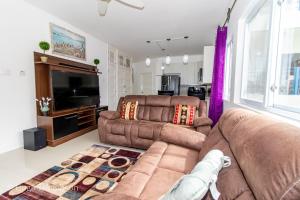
[216, 98]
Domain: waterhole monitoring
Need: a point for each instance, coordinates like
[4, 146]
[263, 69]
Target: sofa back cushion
[267, 152]
[231, 182]
[159, 108]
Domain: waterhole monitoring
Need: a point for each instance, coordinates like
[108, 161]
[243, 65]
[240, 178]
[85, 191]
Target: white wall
[22, 27]
[208, 64]
[140, 68]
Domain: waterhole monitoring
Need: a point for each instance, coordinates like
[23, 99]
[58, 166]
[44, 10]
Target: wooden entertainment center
[62, 126]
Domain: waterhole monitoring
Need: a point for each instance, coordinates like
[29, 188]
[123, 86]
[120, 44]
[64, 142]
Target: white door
[124, 77]
[146, 84]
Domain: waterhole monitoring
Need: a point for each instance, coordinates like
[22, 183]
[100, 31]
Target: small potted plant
[44, 105]
[96, 62]
[45, 46]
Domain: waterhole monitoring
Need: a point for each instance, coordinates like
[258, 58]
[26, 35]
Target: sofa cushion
[160, 183]
[132, 184]
[267, 152]
[184, 114]
[149, 129]
[156, 110]
[182, 137]
[111, 115]
[156, 114]
[233, 174]
[118, 127]
[158, 101]
[133, 98]
[179, 159]
[129, 110]
[114, 196]
[157, 149]
[185, 100]
[135, 181]
[151, 176]
[118, 131]
[194, 186]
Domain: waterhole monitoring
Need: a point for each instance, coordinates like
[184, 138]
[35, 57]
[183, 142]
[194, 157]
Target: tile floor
[20, 165]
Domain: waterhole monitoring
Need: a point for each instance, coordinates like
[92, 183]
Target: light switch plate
[22, 73]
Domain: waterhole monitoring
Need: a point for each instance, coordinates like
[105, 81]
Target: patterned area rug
[85, 175]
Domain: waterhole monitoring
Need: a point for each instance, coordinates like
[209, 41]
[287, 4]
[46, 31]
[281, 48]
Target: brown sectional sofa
[265, 158]
[153, 113]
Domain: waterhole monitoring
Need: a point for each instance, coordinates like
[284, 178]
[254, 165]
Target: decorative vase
[45, 113]
[44, 59]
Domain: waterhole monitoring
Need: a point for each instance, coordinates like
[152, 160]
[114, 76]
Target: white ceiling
[129, 29]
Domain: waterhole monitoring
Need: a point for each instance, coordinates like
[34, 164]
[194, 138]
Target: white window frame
[273, 65]
[251, 14]
[228, 69]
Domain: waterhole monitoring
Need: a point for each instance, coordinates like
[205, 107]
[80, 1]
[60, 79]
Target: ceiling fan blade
[102, 7]
[138, 4]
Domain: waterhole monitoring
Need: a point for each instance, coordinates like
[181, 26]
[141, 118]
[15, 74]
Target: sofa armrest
[203, 125]
[114, 196]
[111, 115]
[182, 136]
[202, 121]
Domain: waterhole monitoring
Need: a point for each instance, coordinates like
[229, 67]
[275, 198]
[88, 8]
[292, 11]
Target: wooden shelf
[73, 111]
[54, 143]
[86, 122]
[85, 116]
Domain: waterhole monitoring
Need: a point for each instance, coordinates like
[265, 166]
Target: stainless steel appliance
[171, 83]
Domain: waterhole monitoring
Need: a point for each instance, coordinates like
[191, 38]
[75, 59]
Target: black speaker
[34, 139]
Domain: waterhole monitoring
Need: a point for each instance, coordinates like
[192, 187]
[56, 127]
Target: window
[287, 84]
[228, 65]
[255, 64]
[271, 57]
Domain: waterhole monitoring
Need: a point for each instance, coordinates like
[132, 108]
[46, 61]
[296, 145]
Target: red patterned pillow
[184, 115]
[129, 110]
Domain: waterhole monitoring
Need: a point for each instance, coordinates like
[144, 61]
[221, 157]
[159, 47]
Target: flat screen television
[73, 90]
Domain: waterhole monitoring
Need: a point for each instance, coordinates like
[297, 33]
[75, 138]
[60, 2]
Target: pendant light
[185, 59]
[148, 62]
[168, 60]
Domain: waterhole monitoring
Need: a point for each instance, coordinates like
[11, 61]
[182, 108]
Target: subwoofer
[34, 139]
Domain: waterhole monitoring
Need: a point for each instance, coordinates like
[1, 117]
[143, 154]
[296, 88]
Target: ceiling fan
[103, 5]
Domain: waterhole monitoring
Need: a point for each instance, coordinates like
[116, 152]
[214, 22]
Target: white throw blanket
[195, 185]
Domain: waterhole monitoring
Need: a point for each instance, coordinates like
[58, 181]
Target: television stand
[62, 126]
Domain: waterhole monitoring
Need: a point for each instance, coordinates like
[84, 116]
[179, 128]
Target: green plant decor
[96, 62]
[45, 46]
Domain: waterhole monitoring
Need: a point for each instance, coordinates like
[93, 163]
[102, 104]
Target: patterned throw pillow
[129, 110]
[184, 115]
